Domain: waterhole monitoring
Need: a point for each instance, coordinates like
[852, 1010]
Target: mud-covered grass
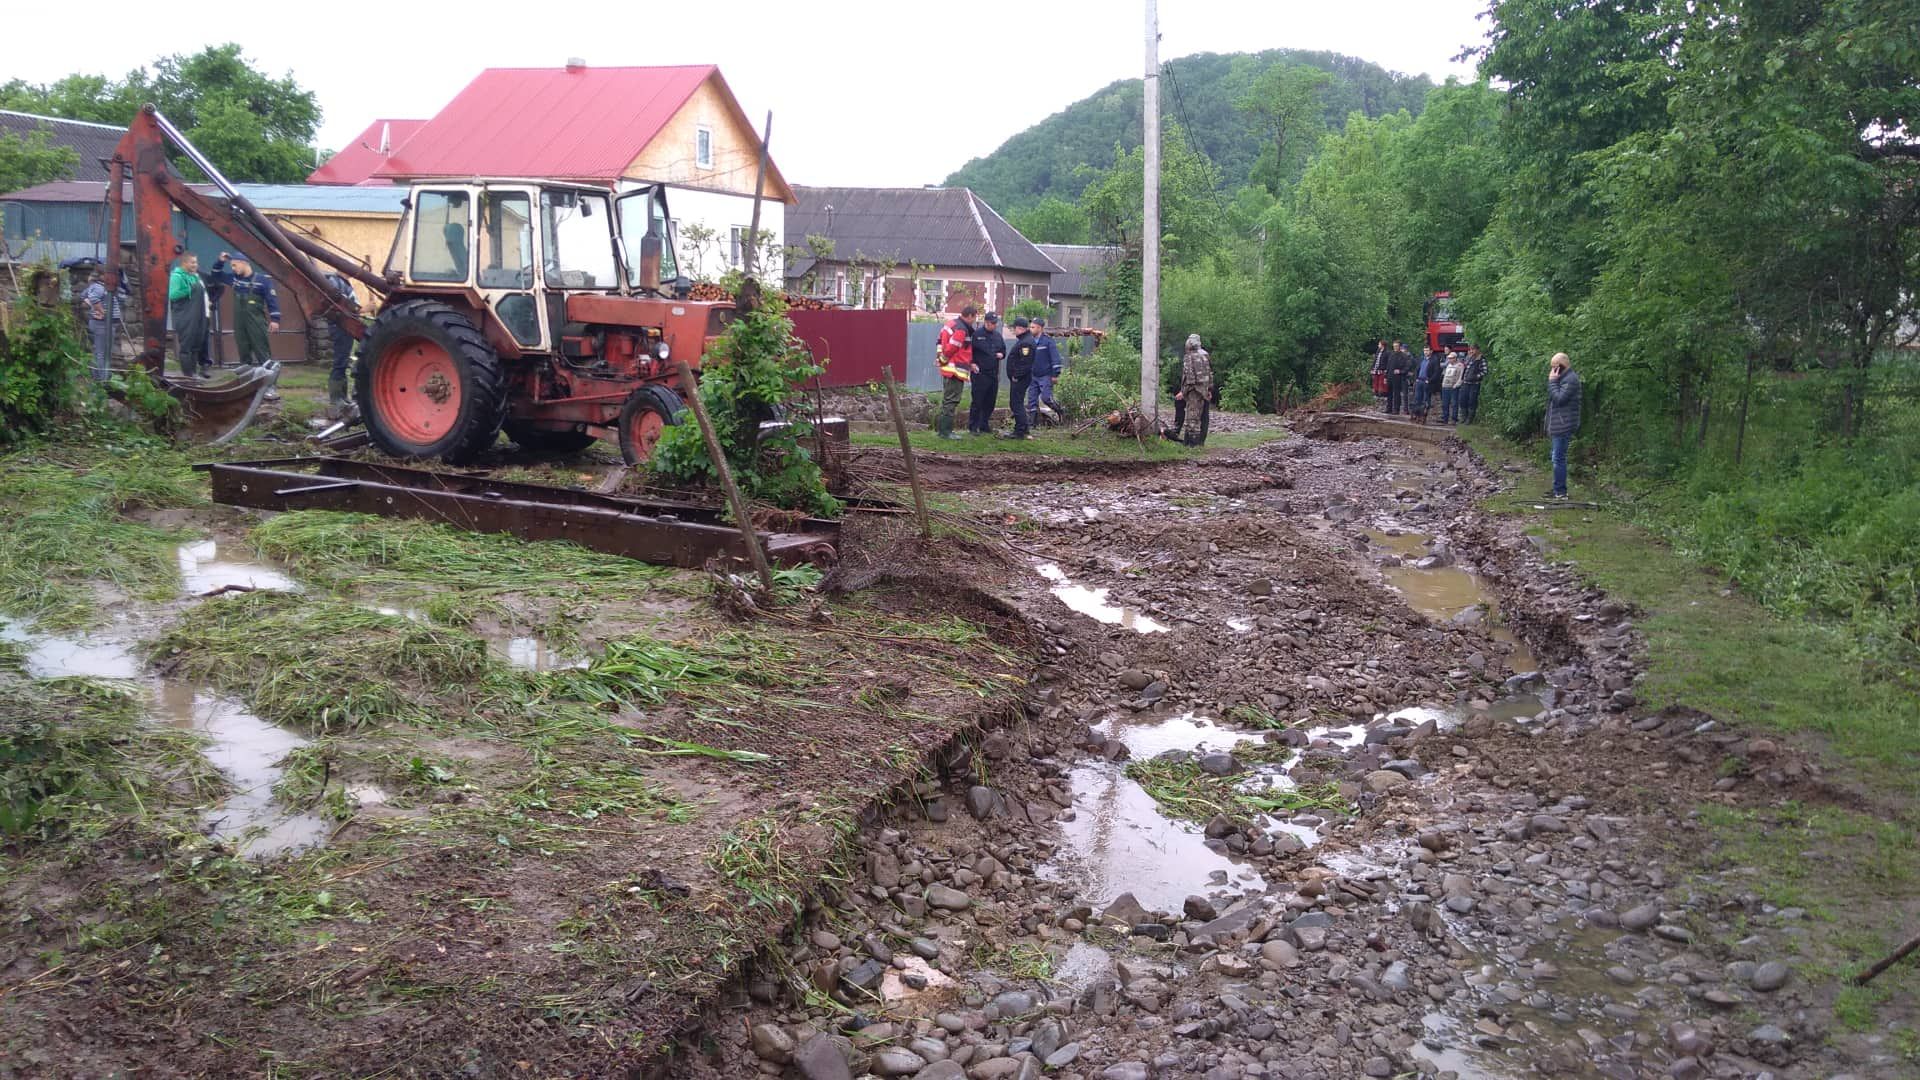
[66, 518]
[1063, 442]
[1186, 792]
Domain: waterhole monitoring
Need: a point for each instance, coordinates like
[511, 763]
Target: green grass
[62, 514]
[1185, 792]
[1716, 650]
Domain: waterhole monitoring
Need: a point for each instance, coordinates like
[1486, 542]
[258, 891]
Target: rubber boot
[336, 397]
[942, 425]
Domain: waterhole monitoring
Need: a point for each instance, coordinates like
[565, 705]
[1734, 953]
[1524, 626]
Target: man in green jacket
[187, 303]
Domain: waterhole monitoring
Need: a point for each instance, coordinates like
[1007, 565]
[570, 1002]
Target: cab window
[440, 241]
[506, 220]
[579, 236]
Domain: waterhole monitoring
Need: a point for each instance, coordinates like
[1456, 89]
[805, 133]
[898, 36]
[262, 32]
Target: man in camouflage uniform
[1196, 391]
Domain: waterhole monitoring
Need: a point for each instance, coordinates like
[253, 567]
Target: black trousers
[1017, 402]
[1396, 392]
[986, 395]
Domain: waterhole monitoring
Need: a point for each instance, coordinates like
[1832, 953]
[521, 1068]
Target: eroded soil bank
[1324, 774]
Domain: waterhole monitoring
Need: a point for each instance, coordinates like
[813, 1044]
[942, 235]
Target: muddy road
[1323, 774]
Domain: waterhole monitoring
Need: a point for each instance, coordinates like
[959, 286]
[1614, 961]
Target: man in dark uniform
[1399, 369]
[342, 348]
[256, 308]
[1019, 377]
[989, 348]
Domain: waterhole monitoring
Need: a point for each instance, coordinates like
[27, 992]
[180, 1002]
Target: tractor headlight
[660, 350]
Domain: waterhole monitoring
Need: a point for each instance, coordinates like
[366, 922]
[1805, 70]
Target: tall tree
[1285, 105]
[32, 160]
[1052, 220]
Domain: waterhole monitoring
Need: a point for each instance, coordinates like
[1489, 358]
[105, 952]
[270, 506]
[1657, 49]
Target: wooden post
[759, 180]
[906, 449]
[734, 499]
[1887, 961]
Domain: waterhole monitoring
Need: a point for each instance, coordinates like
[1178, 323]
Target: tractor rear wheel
[546, 440]
[645, 417]
[429, 385]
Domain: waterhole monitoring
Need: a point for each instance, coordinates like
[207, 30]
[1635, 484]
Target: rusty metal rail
[650, 530]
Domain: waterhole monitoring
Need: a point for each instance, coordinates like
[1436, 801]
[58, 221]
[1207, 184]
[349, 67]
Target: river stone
[1047, 1037]
[941, 1070]
[1135, 679]
[1064, 1056]
[1770, 976]
[1640, 918]
[995, 1069]
[1219, 763]
[1769, 1035]
[772, 1043]
[1126, 909]
[897, 1061]
[1014, 1003]
[928, 1047]
[1279, 954]
[820, 1058]
[983, 802]
[866, 974]
[1199, 909]
[948, 899]
[1382, 781]
[1126, 1070]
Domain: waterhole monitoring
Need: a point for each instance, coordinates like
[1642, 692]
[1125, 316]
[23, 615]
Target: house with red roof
[618, 126]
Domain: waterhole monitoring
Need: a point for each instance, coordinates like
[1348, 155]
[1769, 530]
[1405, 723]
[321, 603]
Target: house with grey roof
[928, 250]
[1075, 290]
[91, 143]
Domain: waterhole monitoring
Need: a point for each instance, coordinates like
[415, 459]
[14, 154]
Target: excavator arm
[140, 167]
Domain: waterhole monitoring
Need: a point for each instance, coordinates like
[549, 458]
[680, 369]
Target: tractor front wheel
[647, 414]
[429, 385]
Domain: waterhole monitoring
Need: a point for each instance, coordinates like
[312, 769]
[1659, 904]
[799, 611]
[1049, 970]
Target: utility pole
[1150, 231]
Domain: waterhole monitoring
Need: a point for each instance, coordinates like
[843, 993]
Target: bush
[41, 363]
[751, 374]
[1082, 396]
[1237, 392]
[1116, 362]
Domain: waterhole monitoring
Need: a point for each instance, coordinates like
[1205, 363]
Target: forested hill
[1199, 91]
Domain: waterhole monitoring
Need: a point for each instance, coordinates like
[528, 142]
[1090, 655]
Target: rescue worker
[1046, 368]
[187, 304]
[342, 348]
[989, 348]
[956, 367]
[1019, 376]
[256, 309]
[1196, 388]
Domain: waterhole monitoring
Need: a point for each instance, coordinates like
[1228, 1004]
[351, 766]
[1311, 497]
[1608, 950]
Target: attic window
[703, 147]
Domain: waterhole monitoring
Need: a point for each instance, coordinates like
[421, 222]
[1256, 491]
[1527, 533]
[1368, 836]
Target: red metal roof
[576, 123]
[357, 160]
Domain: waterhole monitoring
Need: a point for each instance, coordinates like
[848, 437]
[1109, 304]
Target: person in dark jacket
[989, 348]
[1020, 377]
[103, 318]
[1422, 384]
[1399, 367]
[1046, 368]
[1436, 378]
[342, 348]
[1470, 383]
[187, 309]
[1563, 417]
[256, 308]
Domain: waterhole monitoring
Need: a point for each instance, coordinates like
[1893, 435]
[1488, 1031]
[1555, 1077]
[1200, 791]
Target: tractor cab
[523, 245]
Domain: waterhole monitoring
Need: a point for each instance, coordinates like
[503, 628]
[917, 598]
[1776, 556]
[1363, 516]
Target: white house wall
[721, 213]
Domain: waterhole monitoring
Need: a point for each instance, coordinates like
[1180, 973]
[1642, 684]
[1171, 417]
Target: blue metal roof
[325, 198]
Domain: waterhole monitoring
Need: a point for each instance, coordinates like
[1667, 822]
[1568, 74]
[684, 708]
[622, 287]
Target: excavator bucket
[217, 412]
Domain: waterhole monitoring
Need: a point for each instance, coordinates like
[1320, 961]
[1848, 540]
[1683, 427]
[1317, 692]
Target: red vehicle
[525, 305]
[1444, 332]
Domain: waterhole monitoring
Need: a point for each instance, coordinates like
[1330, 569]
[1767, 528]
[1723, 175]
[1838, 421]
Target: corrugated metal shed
[1082, 265]
[91, 141]
[356, 161]
[945, 227]
[579, 123]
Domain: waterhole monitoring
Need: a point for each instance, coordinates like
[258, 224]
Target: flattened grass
[1184, 791]
[62, 516]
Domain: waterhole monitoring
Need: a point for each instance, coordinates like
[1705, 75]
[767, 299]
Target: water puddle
[1240, 626]
[206, 565]
[1119, 842]
[1093, 603]
[1448, 1047]
[1084, 965]
[532, 654]
[248, 751]
[1154, 736]
[50, 656]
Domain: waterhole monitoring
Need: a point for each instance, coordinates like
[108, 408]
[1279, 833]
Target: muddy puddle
[1093, 603]
[54, 656]
[1152, 736]
[1443, 593]
[249, 753]
[209, 565]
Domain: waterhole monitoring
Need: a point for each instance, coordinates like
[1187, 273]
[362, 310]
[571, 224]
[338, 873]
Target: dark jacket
[1476, 370]
[1046, 355]
[1398, 362]
[1425, 368]
[1020, 357]
[256, 285]
[1563, 404]
[988, 349]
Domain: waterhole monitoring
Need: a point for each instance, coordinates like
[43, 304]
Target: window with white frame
[1076, 317]
[1022, 292]
[933, 294]
[737, 247]
[703, 147]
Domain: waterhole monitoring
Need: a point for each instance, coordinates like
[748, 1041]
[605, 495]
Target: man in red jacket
[956, 367]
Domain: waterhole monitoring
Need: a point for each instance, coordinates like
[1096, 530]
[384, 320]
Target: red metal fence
[855, 344]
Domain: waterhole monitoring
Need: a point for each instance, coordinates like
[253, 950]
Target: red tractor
[529, 306]
[1444, 332]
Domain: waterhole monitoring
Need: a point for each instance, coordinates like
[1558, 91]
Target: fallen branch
[224, 589]
[1888, 961]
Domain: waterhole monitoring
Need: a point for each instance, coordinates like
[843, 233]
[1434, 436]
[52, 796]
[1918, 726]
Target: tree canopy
[253, 126]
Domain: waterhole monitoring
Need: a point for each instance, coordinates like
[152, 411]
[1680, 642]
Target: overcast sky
[863, 92]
